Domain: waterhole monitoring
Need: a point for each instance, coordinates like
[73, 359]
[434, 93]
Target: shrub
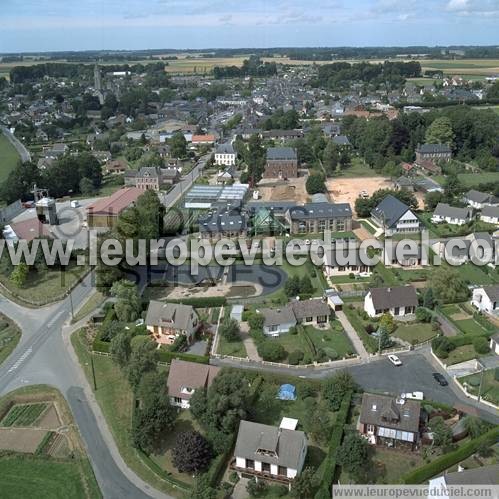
[331, 353]
[209, 301]
[295, 357]
[370, 328]
[481, 345]
[271, 351]
[423, 314]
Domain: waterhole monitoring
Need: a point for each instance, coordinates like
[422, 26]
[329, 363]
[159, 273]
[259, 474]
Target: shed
[287, 392]
[237, 312]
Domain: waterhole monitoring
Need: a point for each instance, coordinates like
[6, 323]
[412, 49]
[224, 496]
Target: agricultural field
[8, 157]
[42, 445]
[470, 180]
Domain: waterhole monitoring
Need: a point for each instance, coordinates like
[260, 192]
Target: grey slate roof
[341, 140]
[274, 317]
[382, 410]
[284, 153]
[174, 315]
[312, 211]
[492, 292]
[390, 210]
[490, 211]
[391, 297]
[481, 197]
[485, 475]
[447, 211]
[310, 308]
[270, 444]
[433, 148]
[225, 148]
[222, 221]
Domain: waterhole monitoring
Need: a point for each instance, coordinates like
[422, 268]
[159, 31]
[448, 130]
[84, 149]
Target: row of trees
[250, 67]
[68, 175]
[470, 132]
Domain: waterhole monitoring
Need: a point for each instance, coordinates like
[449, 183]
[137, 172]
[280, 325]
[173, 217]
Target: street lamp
[481, 380]
[71, 303]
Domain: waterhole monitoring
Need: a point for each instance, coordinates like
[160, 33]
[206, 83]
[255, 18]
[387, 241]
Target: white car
[394, 360]
[412, 395]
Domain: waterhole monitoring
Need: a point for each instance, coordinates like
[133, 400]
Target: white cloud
[458, 5]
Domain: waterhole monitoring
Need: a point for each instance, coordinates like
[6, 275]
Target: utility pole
[71, 303]
[93, 370]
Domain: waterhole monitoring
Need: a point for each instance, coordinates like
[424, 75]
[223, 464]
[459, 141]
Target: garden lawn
[395, 464]
[470, 180]
[46, 286]
[417, 332]
[234, 348]
[470, 326]
[334, 338]
[8, 157]
[22, 476]
[476, 275]
[460, 354]
[90, 305]
[490, 386]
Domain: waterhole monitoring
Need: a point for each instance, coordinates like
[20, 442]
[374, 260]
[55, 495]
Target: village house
[398, 301]
[269, 452]
[225, 155]
[167, 321]
[314, 312]
[490, 214]
[152, 178]
[433, 152]
[486, 299]
[336, 262]
[395, 217]
[184, 378]
[385, 420]
[222, 223]
[451, 214]
[479, 200]
[282, 163]
[494, 343]
[115, 166]
[482, 475]
[315, 218]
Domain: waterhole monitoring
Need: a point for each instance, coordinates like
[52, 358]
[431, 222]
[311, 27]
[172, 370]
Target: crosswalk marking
[21, 359]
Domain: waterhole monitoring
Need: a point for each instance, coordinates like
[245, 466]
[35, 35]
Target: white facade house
[395, 217]
[225, 155]
[269, 452]
[486, 299]
[479, 200]
[490, 214]
[494, 343]
[398, 301]
[451, 214]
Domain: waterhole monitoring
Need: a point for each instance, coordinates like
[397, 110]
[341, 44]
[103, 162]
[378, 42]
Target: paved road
[379, 375]
[185, 183]
[20, 148]
[45, 356]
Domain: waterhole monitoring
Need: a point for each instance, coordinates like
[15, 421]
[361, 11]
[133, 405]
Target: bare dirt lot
[21, 439]
[346, 190]
[284, 190]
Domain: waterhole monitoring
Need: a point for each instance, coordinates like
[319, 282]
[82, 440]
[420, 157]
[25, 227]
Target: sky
[52, 25]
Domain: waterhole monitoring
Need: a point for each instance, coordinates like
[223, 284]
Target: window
[250, 463]
[370, 428]
[266, 467]
[340, 225]
[309, 319]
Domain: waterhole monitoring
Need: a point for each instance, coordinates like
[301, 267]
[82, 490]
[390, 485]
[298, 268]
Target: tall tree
[192, 452]
[440, 132]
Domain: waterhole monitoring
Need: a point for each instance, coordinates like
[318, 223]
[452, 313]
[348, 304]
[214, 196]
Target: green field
[23, 415]
[470, 180]
[8, 157]
[22, 476]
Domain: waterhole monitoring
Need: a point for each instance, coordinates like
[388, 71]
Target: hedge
[444, 462]
[218, 465]
[327, 469]
[166, 356]
[369, 342]
[213, 301]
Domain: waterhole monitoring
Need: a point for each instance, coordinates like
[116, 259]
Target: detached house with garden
[395, 217]
[269, 452]
[385, 420]
[398, 301]
[168, 321]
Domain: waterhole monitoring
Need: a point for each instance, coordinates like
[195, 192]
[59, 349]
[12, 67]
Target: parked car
[440, 379]
[394, 360]
[412, 395]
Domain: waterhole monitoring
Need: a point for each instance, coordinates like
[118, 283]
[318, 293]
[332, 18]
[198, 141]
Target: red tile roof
[31, 229]
[116, 203]
[203, 138]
